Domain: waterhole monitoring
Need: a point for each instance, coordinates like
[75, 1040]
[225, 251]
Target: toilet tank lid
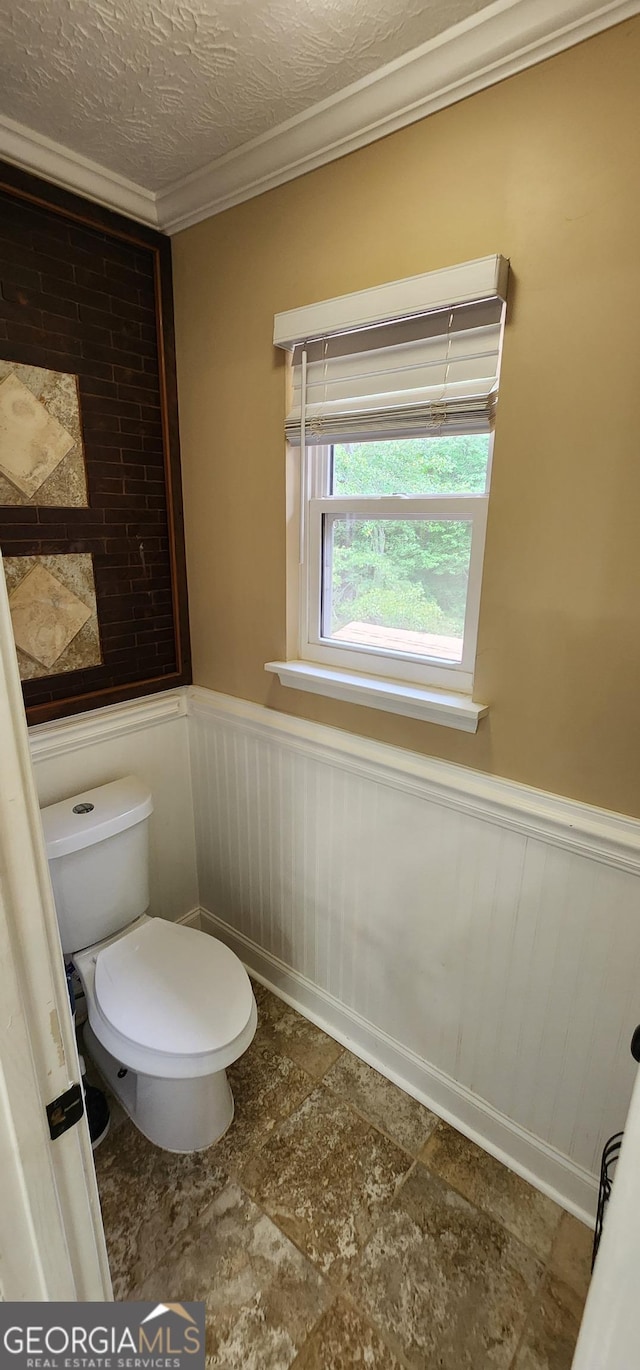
[90, 817]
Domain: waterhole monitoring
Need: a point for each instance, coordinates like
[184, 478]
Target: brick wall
[82, 298]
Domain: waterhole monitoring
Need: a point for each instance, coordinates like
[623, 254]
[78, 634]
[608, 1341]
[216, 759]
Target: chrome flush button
[83, 808]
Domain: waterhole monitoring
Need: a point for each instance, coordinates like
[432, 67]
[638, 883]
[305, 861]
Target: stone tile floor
[340, 1224]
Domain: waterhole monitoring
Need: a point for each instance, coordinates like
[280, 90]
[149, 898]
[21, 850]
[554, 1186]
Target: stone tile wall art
[89, 450]
[53, 611]
[41, 448]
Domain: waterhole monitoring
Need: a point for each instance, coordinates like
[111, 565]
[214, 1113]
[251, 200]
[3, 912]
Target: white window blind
[431, 371]
[432, 374]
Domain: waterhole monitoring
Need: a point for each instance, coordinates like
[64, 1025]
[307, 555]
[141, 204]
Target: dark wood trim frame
[23, 186]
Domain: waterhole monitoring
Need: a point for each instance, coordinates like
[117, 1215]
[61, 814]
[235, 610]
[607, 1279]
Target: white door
[51, 1238]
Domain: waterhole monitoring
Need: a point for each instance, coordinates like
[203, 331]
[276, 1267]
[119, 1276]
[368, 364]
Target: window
[393, 419]
[392, 558]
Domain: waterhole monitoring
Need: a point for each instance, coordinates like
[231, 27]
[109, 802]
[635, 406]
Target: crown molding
[501, 40]
[33, 152]
[505, 38]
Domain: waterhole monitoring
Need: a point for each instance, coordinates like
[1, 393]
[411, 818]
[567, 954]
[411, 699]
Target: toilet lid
[173, 989]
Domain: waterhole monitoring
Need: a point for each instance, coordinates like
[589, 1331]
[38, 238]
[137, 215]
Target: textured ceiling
[155, 89]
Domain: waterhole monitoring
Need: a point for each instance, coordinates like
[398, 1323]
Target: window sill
[446, 707]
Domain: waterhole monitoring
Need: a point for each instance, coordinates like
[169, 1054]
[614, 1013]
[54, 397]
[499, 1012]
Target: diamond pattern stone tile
[45, 615]
[32, 441]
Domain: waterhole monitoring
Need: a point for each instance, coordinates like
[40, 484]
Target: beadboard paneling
[145, 737]
[476, 928]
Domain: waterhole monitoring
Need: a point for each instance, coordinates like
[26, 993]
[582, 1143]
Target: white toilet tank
[98, 849]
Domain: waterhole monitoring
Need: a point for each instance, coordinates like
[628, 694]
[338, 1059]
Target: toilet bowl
[169, 1007]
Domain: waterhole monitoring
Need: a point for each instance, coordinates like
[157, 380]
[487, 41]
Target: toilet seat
[170, 988]
[167, 1000]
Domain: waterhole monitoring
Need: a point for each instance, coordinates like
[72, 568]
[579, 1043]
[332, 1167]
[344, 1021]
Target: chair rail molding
[500, 40]
[600, 834]
[100, 725]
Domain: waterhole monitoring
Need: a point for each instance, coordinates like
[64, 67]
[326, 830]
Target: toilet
[169, 1007]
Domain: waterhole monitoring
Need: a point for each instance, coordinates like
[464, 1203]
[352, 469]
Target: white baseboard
[541, 1165]
[191, 919]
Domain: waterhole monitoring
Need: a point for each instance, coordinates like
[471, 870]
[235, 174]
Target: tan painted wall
[543, 168]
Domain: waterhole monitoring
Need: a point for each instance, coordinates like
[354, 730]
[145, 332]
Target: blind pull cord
[303, 456]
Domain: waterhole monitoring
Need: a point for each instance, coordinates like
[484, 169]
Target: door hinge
[65, 1111]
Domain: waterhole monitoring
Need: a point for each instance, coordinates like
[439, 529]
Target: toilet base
[177, 1115]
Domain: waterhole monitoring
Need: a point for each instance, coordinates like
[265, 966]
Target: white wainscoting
[476, 940]
[145, 737]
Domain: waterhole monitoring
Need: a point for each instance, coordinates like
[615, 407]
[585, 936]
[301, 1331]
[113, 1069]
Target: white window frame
[405, 667]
